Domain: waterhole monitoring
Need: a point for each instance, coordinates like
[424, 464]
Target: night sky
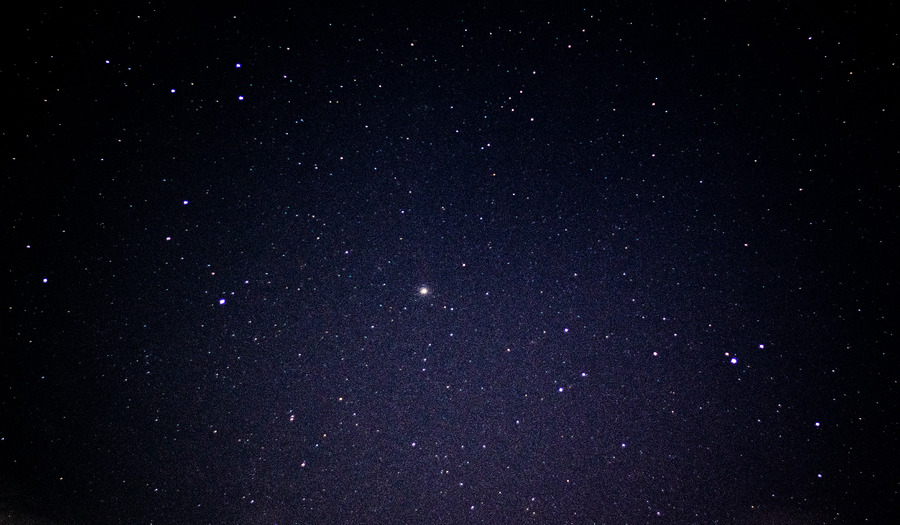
[547, 264]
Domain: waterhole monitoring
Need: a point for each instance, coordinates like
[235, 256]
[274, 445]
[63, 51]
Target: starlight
[323, 210]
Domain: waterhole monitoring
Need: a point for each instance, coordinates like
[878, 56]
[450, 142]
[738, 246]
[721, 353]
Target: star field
[542, 264]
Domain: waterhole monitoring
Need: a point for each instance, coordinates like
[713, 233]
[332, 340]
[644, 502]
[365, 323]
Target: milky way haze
[316, 264]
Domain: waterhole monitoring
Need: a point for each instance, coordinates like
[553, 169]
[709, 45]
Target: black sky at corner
[374, 152]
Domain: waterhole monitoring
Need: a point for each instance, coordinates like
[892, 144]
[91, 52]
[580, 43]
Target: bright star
[423, 291]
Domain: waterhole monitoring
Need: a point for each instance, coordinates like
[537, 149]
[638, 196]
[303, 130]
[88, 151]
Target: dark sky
[318, 264]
